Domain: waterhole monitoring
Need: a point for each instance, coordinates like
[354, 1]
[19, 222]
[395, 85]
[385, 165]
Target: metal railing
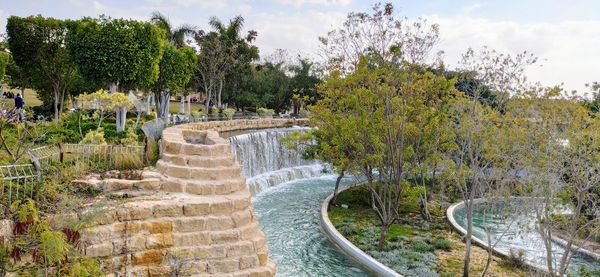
[21, 180]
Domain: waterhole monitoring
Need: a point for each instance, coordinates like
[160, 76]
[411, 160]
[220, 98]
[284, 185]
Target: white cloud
[296, 32]
[568, 49]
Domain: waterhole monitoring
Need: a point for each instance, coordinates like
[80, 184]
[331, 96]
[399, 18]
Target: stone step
[198, 173]
[199, 161]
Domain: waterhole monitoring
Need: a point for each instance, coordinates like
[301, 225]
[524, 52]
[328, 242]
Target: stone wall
[192, 218]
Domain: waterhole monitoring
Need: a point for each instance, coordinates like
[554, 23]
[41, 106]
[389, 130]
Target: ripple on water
[289, 217]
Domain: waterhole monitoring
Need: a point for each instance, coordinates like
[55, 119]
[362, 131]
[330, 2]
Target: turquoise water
[518, 227]
[289, 217]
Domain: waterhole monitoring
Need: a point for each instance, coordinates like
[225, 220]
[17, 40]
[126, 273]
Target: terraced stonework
[193, 217]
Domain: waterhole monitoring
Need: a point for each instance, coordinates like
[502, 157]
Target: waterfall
[266, 162]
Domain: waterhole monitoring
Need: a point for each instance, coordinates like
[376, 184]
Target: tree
[103, 103]
[175, 36]
[122, 53]
[38, 47]
[379, 33]
[557, 143]
[176, 70]
[223, 52]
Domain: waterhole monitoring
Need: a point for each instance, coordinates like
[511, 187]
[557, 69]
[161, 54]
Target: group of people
[19, 103]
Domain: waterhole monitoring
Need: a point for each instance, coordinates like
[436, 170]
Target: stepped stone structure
[193, 217]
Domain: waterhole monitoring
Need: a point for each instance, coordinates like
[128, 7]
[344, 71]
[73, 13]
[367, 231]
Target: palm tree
[176, 36]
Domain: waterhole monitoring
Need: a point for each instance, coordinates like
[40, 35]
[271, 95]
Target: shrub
[422, 247]
[127, 162]
[214, 110]
[346, 228]
[264, 112]
[229, 112]
[442, 243]
[131, 138]
[152, 152]
[94, 137]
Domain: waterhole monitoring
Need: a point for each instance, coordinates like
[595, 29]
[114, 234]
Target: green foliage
[131, 138]
[4, 60]
[117, 50]
[229, 112]
[94, 137]
[127, 162]
[50, 250]
[264, 112]
[442, 243]
[176, 68]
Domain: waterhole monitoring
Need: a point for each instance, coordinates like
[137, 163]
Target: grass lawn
[31, 99]
[414, 247]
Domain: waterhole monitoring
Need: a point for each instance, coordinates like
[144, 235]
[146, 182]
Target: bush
[94, 137]
[229, 112]
[441, 243]
[264, 112]
[422, 247]
[152, 152]
[131, 138]
[127, 162]
[214, 110]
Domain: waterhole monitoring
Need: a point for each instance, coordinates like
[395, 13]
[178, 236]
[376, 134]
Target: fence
[20, 180]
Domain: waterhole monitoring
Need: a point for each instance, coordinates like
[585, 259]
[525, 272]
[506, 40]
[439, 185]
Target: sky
[564, 34]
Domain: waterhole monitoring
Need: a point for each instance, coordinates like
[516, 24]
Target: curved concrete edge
[498, 252]
[350, 249]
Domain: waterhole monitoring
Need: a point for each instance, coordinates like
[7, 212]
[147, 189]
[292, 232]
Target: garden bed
[414, 247]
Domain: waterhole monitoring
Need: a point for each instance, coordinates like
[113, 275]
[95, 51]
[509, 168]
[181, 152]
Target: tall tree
[379, 33]
[38, 47]
[176, 70]
[176, 37]
[223, 51]
[117, 52]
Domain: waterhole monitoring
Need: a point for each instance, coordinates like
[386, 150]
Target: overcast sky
[565, 34]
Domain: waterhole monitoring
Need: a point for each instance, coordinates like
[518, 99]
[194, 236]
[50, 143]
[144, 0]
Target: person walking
[19, 103]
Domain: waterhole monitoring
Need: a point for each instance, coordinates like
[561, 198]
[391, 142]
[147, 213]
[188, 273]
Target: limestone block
[248, 261]
[167, 209]
[157, 226]
[191, 239]
[196, 224]
[219, 223]
[223, 266]
[99, 250]
[105, 216]
[150, 257]
[171, 147]
[196, 209]
[263, 257]
[134, 212]
[6, 228]
[147, 184]
[240, 249]
[228, 236]
[221, 208]
[241, 218]
[97, 234]
[172, 185]
[200, 189]
[159, 241]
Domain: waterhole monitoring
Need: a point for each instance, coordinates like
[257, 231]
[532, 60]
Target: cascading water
[289, 213]
[267, 163]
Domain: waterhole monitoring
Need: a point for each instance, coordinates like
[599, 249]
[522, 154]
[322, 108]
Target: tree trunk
[220, 90]
[189, 102]
[383, 236]
[182, 105]
[56, 100]
[121, 118]
[467, 259]
[337, 187]
[489, 252]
